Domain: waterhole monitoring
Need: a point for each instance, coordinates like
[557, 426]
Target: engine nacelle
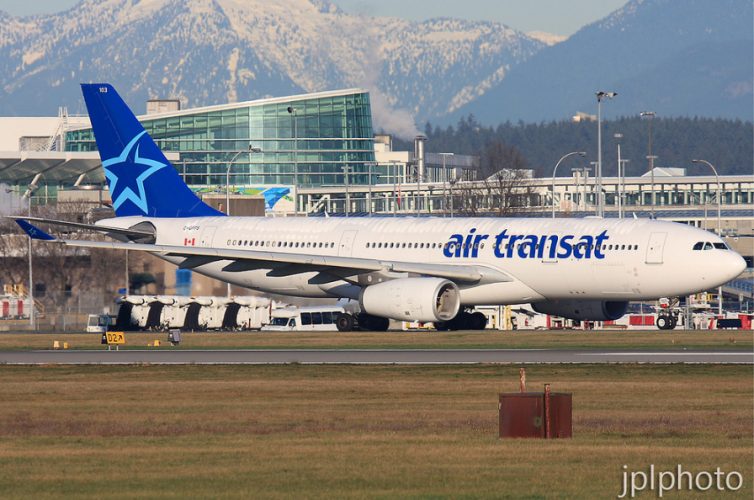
[583, 310]
[412, 299]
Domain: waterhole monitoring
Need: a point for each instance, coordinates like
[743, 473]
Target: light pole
[33, 186]
[649, 115]
[580, 153]
[444, 177]
[719, 223]
[292, 112]
[621, 187]
[250, 150]
[618, 136]
[719, 194]
[600, 96]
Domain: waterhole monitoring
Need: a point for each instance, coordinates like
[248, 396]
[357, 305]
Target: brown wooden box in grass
[523, 415]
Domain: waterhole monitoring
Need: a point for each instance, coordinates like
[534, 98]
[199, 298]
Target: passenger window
[306, 318]
[316, 318]
[327, 318]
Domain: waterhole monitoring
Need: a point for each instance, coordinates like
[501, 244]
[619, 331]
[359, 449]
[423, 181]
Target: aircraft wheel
[344, 322]
[373, 323]
[673, 323]
[663, 322]
[380, 324]
[462, 321]
[477, 321]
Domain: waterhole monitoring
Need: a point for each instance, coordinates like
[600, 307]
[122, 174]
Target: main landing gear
[348, 322]
[464, 320]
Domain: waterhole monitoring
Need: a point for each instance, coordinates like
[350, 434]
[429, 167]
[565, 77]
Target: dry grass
[732, 339]
[356, 431]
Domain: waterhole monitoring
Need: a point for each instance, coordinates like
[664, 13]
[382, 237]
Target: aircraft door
[655, 248]
[346, 243]
[208, 235]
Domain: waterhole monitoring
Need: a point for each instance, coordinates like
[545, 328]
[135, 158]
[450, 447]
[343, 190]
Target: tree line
[725, 143]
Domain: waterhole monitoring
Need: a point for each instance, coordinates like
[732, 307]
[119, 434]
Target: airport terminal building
[299, 140]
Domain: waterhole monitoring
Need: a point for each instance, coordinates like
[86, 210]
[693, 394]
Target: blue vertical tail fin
[141, 180]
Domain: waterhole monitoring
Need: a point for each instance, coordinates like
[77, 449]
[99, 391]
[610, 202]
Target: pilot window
[720, 246]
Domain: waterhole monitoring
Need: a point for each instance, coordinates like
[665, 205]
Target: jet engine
[412, 299]
[583, 310]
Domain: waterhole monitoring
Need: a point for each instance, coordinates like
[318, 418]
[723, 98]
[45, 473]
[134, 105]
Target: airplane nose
[733, 266]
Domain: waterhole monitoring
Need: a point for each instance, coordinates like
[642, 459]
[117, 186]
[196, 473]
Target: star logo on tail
[126, 174]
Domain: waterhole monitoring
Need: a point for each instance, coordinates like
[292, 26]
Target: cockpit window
[698, 245]
[708, 246]
[720, 245]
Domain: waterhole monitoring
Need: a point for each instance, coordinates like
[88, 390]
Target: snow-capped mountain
[217, 51]
[675, 57]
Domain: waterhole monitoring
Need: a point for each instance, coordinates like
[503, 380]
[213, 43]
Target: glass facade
[311, 144]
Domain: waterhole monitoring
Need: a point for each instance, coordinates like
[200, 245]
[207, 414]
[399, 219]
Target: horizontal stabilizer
[33, 231]
[93, 227]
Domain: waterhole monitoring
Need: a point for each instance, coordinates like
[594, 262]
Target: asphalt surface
[376, 356]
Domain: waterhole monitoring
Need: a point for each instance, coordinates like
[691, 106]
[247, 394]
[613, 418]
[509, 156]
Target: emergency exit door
[655, 248]
[346, 243]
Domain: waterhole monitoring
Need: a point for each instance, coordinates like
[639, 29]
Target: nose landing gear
[667, 316]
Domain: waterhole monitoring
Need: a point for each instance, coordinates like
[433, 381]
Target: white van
[99, 323]
[304, 319]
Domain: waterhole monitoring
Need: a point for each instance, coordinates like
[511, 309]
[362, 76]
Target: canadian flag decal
[189, 242]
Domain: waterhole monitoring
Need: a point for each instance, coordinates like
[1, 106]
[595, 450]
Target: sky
[560, 17]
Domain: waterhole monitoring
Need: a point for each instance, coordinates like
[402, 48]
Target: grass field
[573, 339]
[358, 431]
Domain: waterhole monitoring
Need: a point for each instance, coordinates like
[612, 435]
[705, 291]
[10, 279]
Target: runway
[375, 356]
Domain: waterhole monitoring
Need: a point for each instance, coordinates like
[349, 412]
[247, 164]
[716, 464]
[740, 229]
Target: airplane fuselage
[545, 259]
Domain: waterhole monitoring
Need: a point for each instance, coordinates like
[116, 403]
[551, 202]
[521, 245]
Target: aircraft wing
[250, 259]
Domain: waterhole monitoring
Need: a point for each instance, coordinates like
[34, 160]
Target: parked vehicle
[99, 323]
[304, 319]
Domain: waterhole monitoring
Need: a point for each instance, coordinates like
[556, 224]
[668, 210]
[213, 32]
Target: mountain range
[677, 57]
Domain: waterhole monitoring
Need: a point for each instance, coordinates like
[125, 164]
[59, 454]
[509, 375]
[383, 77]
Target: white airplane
[415, 269]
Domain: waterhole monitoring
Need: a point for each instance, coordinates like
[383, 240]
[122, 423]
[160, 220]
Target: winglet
[33, 231]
